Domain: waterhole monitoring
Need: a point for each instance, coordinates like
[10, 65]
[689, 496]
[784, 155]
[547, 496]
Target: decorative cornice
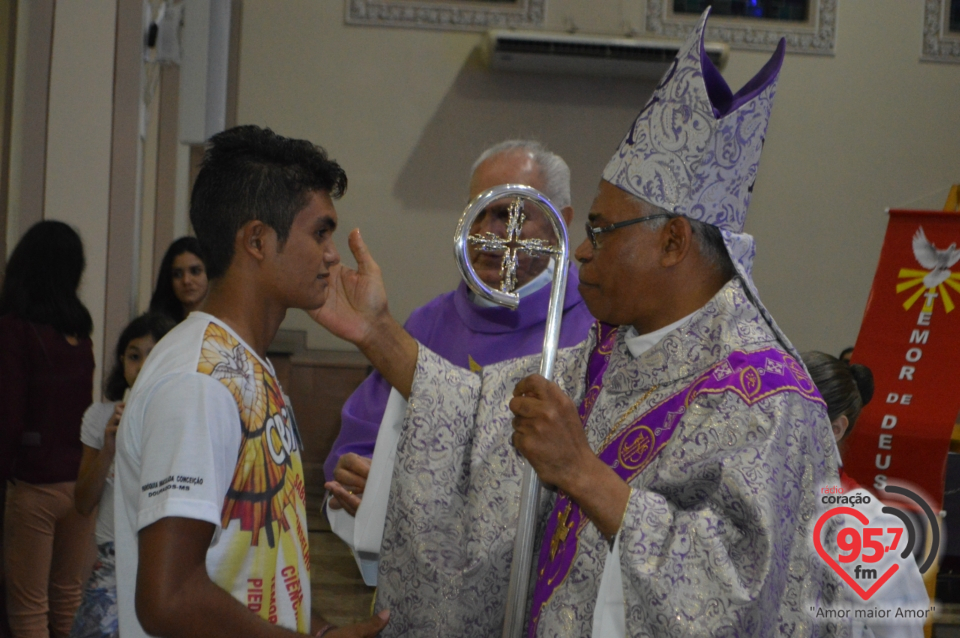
[453, 15]
[939, 44]
[816, 36]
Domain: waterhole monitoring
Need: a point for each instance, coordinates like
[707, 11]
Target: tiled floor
[338, 590]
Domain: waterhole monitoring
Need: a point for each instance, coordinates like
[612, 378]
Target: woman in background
[97, 616]
[846, 388]
[46, 383]
[182, 281]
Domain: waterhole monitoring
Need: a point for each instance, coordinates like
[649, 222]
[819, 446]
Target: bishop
[683, 442]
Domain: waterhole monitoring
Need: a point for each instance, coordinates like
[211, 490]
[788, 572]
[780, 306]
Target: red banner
[910, 339]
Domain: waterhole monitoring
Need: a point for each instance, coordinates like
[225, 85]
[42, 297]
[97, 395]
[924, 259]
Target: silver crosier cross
[511, 246]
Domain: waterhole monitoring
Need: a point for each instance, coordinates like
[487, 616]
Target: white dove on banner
[937, 261]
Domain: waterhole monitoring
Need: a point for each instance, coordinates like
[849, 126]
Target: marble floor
[338, 590]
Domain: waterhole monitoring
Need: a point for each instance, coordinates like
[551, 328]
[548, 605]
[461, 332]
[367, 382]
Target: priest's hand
[547, 431]
[350, 480]
[356, 310]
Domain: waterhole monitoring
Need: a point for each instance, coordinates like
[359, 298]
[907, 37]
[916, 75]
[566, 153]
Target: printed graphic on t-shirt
[264, 512]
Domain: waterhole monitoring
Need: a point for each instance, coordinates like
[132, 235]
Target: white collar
[638, 343]
[528, 288]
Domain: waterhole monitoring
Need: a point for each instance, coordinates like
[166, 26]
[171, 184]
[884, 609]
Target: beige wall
[7, 34]
[77, 189]
[13, 228]
[869, 129]
[75, 145]
[8, 38]
[406, 111]
[148, 205]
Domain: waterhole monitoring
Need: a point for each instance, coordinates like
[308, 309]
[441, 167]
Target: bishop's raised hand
[356, 310]
[357, 299]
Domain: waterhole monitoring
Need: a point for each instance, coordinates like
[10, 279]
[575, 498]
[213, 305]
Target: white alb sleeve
[190, 440]
[365, 533]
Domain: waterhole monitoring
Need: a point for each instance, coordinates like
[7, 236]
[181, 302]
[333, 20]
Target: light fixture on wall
[163, 36]
[203, 69]
[162, 26]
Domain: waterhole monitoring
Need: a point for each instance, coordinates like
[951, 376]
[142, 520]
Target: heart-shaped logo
[817, 532]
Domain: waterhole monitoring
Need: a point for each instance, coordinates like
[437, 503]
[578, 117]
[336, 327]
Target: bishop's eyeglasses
[592, 231]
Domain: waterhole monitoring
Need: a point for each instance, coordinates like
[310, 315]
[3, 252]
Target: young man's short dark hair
[251, 173]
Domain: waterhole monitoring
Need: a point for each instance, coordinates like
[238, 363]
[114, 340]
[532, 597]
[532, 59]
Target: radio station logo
[874, 540]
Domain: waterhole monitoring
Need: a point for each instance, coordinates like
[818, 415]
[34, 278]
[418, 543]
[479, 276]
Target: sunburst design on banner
[914, 278]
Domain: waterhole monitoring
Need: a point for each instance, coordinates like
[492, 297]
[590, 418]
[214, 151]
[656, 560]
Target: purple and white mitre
[695, 148]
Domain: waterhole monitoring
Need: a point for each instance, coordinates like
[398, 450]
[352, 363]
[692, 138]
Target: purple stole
[752, 376]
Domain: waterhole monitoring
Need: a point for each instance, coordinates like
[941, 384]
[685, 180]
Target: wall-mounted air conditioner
[562, 53]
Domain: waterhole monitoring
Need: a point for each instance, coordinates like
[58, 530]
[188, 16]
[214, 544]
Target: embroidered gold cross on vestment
[563, 530]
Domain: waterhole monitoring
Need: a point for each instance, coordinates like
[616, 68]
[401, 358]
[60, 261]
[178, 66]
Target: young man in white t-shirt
[211, 528]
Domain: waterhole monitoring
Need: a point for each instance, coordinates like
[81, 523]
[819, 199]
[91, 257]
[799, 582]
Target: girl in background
[182, 281]
[845, 388]
[97, 615]
[46, 383]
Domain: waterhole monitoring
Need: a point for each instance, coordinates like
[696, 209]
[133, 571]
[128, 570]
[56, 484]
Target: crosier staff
[511, 246]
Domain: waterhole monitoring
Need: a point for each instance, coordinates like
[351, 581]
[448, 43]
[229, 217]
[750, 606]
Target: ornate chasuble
[719, 435]
[629, 450]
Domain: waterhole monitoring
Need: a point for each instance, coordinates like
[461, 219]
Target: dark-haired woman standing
[182, 281]
[845, 388]
[46, 384]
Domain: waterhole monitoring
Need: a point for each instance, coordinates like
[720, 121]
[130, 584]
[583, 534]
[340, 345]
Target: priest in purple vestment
[682, 442]
[466, 331]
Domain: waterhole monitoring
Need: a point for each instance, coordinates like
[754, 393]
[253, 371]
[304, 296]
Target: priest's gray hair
[708, 238]
[556, 173]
